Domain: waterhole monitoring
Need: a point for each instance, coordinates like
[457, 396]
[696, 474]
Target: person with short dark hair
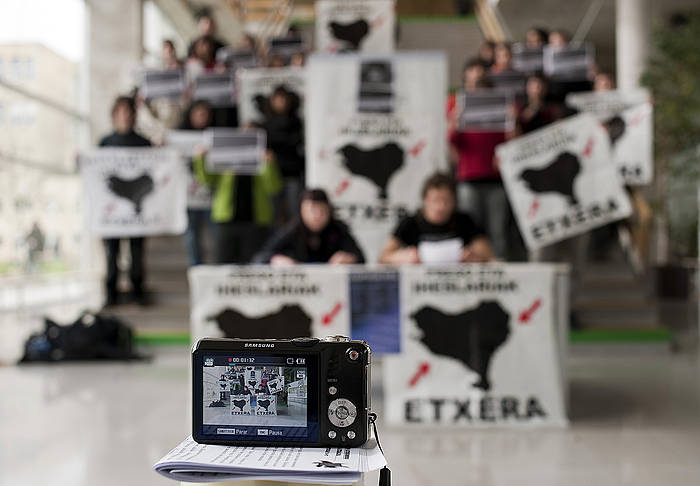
[437, 221]
[536, 38]
[486, 53]
[314, 236]
[206, 26]
[285, 138]
[124, 120]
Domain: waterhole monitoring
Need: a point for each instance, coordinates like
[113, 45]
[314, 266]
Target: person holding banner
[437, 233]
[124, 120]
[285, 138]
[242, 208]
[480, 192]
[315, 236]
[199, 116]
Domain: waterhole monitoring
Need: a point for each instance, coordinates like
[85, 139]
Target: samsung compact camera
[281, 392]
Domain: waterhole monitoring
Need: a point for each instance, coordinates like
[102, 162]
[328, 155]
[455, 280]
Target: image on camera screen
[254, 395]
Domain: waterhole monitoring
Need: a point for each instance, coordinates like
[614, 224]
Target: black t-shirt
[414, 229]
[130, 139]
[303, 246]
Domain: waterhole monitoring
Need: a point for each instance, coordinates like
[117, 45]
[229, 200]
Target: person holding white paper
[435, 224]
[124, 120]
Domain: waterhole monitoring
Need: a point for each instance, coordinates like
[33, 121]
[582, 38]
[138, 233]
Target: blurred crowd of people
[272, 218]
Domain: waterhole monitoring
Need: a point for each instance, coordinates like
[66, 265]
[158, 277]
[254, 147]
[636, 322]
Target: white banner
[276, 385]
[134, 191]
[264, 302]
[355, 25]
[569, 63]
[628, 117]
[162, 84]
[527, 60]
[561, 182]
[478, 348]
[240, 405]
[265, 405]
[235, 150]
[485, 110]
[216, 88]
[375, 130]
[186, 142]
[256, 85]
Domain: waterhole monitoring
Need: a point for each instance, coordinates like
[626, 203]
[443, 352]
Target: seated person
[312, 237]
[437, 221]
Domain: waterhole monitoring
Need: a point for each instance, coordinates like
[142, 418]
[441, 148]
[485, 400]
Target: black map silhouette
[558, 176]
[471, 336]
[289, 322]
[329, 464]
[616, 128]
[352, 33]
[134, 190]
[272, 386]
[239, 404]
[377, 164]
[264, 404]
[217, 403]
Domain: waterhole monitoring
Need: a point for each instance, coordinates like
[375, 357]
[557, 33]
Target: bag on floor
[90, 337]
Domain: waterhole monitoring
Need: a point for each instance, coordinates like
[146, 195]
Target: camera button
[331, 434]
[351, 434]
[332, 390]
[353, 354]
[305, 342]
[342, 412]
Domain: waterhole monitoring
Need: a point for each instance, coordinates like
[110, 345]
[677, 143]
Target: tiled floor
[635, 421]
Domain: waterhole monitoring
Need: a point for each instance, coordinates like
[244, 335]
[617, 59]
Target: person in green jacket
[242, 208]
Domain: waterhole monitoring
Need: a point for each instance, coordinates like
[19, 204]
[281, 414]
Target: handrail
[44, 100]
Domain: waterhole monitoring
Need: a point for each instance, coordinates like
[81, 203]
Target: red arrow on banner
[589, 148]
[423, 369]
[341, 187]
[379, 21]
[527, 313]
[328, 318]
[417, 149]
[109, 208]
[164, 181]
[533, 208]
[635, 121]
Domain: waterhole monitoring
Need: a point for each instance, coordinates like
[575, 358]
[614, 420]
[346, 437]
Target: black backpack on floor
[90, 337]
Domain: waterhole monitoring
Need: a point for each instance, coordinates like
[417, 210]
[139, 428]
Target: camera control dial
[342, 412]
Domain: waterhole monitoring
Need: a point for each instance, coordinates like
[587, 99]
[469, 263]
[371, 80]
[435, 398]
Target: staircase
[166, 279]
[612, 304]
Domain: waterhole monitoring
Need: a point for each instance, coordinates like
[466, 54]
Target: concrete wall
[113, 56]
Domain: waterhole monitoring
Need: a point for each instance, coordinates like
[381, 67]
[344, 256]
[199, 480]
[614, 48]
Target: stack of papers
[193, 462]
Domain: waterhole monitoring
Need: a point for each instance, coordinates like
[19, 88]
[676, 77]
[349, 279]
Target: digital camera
[281, 392]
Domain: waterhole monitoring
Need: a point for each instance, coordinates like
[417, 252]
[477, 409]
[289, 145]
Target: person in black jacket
[313, 237]
[124, 119]
[285, 138]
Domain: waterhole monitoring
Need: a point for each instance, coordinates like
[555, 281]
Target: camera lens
[353, 354]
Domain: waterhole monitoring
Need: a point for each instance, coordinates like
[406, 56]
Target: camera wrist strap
[385, 472]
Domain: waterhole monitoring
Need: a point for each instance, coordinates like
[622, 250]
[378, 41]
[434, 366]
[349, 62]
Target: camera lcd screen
[258, 398]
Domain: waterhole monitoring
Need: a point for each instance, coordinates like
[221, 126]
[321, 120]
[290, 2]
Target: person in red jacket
[480, 192]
